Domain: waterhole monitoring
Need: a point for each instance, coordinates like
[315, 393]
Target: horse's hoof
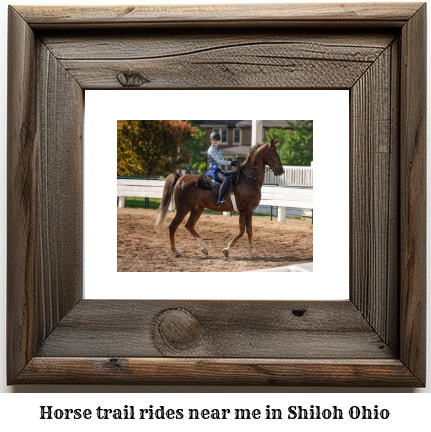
[178, 255]
[226, 252]
[254, 253]
[204, 251]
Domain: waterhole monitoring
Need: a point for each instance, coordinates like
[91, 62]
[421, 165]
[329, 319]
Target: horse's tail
[160, 218]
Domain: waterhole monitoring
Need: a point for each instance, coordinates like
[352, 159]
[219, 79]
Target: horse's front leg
[249, 228]
[240, 233]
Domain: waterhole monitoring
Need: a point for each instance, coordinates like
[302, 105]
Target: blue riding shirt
[215, 157]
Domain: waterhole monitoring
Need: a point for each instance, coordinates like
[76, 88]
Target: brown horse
[189, 198]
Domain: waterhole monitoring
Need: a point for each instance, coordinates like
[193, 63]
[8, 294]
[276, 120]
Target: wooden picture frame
[376, 338]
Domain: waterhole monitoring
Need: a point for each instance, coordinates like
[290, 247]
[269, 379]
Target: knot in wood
[115, 363]
[178, 329]
[131, 79]
[298, 312]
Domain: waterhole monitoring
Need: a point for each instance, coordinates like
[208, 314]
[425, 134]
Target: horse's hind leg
[179, 217]
[241, 232]
[248, 225]
[195, 214]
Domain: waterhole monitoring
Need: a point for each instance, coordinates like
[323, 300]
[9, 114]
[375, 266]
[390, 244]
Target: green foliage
[151, 148]
[295, 144]
[193, 151]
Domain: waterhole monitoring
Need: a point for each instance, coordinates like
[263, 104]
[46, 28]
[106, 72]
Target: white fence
[138, 188]
[284, 198]
[293, 176]
[278, 196]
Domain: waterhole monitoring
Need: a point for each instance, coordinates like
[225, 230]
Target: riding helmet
[215, 136]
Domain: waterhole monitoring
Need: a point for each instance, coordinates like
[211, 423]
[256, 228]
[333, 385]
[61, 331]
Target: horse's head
[273, 159]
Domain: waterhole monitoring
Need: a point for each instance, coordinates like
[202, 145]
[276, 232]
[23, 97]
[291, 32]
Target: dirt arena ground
[141, 249]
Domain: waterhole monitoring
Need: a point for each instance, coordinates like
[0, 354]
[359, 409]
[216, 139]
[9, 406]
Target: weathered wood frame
[376, 338]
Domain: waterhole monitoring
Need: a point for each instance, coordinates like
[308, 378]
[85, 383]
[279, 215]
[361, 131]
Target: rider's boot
[220, 200]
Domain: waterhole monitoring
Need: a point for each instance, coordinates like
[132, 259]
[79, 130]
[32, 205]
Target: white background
[22, 410]
[329, 111]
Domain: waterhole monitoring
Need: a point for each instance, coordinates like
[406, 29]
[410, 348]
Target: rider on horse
[215, 157]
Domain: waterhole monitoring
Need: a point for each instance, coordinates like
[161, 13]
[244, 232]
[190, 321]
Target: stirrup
[220, 203]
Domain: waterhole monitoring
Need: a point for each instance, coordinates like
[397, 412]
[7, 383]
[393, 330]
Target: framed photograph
[375, 337]
[123, 249]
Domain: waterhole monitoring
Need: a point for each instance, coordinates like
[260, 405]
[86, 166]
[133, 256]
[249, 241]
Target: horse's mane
[250, 154]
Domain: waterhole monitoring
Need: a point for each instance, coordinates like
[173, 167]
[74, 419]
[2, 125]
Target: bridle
[272, 155]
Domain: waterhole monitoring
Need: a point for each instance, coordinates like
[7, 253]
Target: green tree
[151, 147]
[194, 148]
[127, 161]
[295, 143]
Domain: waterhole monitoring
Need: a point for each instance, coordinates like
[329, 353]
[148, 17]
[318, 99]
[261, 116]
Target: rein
[244, 168]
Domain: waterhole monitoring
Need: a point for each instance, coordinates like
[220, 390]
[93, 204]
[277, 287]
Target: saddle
[206, 182]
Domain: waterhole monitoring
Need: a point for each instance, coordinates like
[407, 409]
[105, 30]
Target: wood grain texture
[377, 338]
[198, 371]
[227, 59]
[235, 329]
[21, 194]
[44, 193]
[413, 194]
[157, 44]
[250, 59]
[59, 182]
[300, 14]
[374, 195]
